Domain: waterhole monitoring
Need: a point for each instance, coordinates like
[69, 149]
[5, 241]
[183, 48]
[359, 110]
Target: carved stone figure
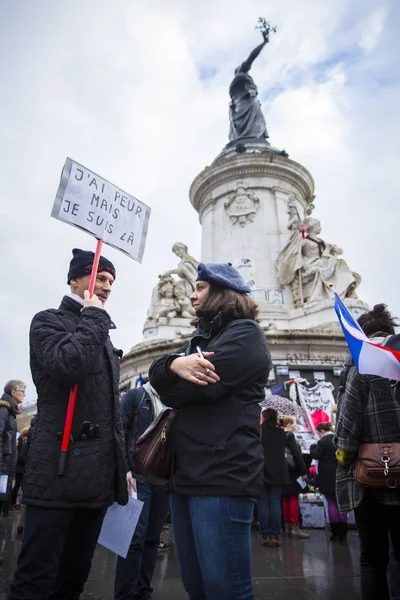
[170, 297]
[186, 309]
[168, 307]
[308, 264]
[187, 268]
[242, 206]
[246, 117]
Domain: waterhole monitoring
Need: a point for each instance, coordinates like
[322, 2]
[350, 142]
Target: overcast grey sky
[138, 92]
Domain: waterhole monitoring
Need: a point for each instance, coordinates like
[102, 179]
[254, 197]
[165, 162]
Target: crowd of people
[226, 467]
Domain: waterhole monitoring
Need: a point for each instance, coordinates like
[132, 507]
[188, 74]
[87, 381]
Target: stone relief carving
[308, 264]
[170, 297]
[242, 206]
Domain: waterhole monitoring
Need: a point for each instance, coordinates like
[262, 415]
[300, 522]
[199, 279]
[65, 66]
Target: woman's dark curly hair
[378, 320]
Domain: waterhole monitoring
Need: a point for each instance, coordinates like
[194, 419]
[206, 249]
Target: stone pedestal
[242, 200]
[171, 329]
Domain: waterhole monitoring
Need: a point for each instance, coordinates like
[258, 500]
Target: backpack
[133, 430]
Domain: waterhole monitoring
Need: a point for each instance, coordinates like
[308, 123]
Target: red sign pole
[73, 393]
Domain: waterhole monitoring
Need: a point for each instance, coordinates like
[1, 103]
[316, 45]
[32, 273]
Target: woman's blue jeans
[270, 512]
[213, 542]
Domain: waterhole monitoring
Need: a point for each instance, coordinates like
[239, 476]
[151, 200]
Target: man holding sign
[65, 507]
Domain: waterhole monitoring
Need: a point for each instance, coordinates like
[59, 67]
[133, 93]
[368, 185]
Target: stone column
[242, 204]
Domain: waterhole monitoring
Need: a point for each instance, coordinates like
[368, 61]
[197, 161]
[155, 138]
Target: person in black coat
[64, 514]
[325, 453]
[133, 574]
[14, 393]
[218, 468]
[276, 475]
[290, 503]
[22, 452]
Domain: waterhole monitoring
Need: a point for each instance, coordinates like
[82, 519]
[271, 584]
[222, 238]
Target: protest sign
[90, 202]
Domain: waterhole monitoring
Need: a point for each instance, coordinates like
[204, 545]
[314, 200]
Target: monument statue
[170, 297]
[246, 118]
[308, 264]
[187, 268]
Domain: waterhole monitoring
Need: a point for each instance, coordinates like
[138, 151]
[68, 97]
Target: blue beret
[223, 274]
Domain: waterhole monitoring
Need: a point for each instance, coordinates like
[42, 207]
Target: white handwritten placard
[92, 203]
[119, 526]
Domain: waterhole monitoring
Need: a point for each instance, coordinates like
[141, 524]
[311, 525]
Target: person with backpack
[133, 574]
[14, 393]
[369, 414]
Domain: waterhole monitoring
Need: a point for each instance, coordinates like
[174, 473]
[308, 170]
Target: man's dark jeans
[213, 541]
[270, 512]
[56, 553]
[376, 522]
[134, 573]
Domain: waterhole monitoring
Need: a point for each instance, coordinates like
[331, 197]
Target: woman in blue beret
[217, 381]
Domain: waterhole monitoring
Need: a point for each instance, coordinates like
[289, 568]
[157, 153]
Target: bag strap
[141, 402]
[135, 427]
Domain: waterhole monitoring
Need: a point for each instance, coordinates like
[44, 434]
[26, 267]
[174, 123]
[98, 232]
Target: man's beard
[103, 296]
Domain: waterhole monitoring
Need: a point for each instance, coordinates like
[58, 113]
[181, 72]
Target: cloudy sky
[138, 92]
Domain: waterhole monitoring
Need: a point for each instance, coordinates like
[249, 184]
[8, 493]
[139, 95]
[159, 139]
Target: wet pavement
[301, 569]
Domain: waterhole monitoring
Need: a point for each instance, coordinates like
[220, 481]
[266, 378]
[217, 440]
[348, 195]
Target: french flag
[369, 358]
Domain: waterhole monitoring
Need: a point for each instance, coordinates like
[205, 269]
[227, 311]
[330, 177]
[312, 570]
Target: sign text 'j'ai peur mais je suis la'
[88, 201]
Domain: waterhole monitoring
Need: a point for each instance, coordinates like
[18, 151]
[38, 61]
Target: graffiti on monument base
[305, 358]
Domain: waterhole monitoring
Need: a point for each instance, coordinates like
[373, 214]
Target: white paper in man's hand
[119, 526]
[3, 483]
[301, 482]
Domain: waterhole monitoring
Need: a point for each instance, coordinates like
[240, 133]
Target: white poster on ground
[119, 526]
[90, 202]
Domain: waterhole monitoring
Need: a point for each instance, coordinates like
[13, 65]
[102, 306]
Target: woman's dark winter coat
[8, 437]
[218, 449]
[276, 471]
[324, 453]
[71, 346]
[301, 469]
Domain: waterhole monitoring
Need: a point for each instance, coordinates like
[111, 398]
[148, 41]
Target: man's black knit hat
[82, 262]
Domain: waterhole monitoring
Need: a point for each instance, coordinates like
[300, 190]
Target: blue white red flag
[369, 358]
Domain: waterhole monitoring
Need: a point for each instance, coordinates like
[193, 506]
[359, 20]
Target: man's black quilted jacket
[68, 346]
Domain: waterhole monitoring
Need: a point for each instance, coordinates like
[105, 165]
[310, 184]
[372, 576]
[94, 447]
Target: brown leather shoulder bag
[378, 466]
[153, 455]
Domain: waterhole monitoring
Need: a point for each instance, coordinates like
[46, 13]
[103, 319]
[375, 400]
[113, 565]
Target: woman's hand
[194, 369]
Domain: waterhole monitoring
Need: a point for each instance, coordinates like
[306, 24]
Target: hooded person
[218, 459]
[68, 346]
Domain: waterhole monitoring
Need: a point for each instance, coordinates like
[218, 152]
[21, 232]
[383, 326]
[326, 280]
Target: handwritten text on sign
[92, 203]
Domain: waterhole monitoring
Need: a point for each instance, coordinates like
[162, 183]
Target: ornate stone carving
[308, 265]
[170, 297]
[242, 206]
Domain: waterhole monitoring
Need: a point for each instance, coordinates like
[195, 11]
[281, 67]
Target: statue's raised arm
[246, 118]
[246, 66]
